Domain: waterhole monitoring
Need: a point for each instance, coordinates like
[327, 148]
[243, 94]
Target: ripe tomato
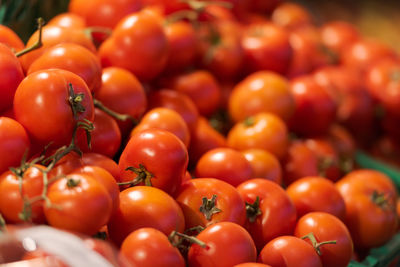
[14, 191]
[262, 91]
[158, 157]
[138, 38]
[264, 131]
[291, 15]
[164, 119]
[205, 201]
[122, 92]
[95, 159]
[314, 193]
[176, 101]
[42, 105]
[14, 142]
[11, 75]
[225, 164]
[67, 211]
[149, 247]
[227, 244]
[10, 38]
[66, 165]
[272, 215]
[252, 264]
[336, 35]
[74, 58]
[264, 165]
[145, 206]
[68, 20]
[370, 199]
[326, 227]
[289, 251]
[266, 47]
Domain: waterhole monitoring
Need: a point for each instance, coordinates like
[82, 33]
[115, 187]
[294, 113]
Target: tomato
[11, 75]
[205, 201]
[370, 199]
[53, 35]
[42, 106]
[104, 178]
[68, 20]
[291, 15]
[138, 38]
[12, 197]
[264, 131]
[67, 211]
[164, 119]
[266, 47]
[289, 251]
[202, 88]
[14, 142]
[314, 193]
[203, 139]
[95, 159]
[108, 12]
[145, 206]
[225, 164]
[252, 264]
[262, 91]
[10, 38]
[264, 165]
[312, 101]
[176, 101]
[227, 244]
[121, 92]
[74, 58]
[66, 165]
[270, 212]
[155, 157]
[336, 35]
[325, 228]
[150, 247]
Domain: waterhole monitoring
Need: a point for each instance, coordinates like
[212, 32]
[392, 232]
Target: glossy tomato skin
[138, 44]
[263, 91]
[145, 206]
[225, 164]
[228, 201]
[10, 38]
[264, 165]
[161, 153]
[74, 58]
[278, 213]
[370, 199]
[314, 193]
[227, 244]
[68, 20]
[11, 75]
[14, 142]
[11, 200]
[327, 227]
[41, 105]
[67, 211]
[150, 247]
[289, 251]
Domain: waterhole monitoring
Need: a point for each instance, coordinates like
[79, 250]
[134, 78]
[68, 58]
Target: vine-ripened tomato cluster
[199, 133]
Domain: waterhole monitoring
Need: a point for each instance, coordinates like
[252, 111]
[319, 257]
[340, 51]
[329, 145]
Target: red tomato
[252, 264]
[68, 20]
[42, 106]
[273, 215]
[66, 164]
[325, 228]
[264, 131]
[145, 206]
[262, 91]
[314, 193]
[336, 35]
[102, 161]
[14, 142]
[11, 75]
[227, 244]
[138, 38]
[158, 157]
[289, 251]
[205, 201]
[148, 247]
[291, 15]
[67, 196]
[225, 164]
[74, 58]
[264, 165]
[10, 38]
[370, 199]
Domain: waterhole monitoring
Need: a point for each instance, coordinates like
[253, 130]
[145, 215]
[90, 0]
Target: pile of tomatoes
[199, 133]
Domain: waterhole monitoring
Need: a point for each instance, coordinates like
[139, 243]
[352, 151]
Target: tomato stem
[37, 44]
[75, 101]
[181, 237]
[253, 210]
[315, 244]
[209, 208]
[249, 121]
[143, 175]
[122, 117]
